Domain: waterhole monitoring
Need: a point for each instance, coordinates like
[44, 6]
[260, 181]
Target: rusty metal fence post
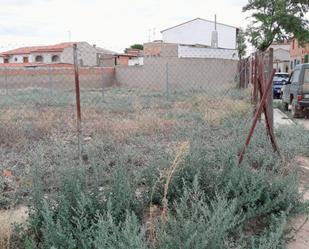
[271, 95]
[78, 106]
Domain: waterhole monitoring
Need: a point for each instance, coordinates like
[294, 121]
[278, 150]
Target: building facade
[282, 56]
[298, 53]
[200, 31]
[181, 51]
[88, 55]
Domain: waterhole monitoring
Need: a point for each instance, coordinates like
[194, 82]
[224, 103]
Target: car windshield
[282, 75]
[280, 78]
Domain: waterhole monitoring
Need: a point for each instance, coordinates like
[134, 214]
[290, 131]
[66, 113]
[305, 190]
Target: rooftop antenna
[214, 35]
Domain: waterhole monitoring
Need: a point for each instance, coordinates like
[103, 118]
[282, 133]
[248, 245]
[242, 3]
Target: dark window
[6, 60]
[15, 59]
[55, 58]
[39, 58]
[25, 60]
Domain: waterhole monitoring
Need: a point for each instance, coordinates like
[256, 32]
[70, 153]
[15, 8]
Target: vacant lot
[158, 171]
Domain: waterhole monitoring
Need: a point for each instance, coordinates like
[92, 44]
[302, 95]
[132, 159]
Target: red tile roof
[38, 49]
[34, 65]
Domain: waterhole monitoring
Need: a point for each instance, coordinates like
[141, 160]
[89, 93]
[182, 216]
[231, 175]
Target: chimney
[214, 35]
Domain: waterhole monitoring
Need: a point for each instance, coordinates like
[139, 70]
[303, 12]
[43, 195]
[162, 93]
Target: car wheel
[295, 113]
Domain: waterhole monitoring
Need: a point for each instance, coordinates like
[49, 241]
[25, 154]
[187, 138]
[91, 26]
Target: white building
[88, 55]
[193, 51]
[281, 56]
[200, 31]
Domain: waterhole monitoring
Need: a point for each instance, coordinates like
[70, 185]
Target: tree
[277, 20]
[137, 46]
[241, 44]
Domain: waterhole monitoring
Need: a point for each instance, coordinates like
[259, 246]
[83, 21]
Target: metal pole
[167, 81]
[77, 93]
[271, 96]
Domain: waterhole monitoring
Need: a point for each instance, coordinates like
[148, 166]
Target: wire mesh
[146, 103]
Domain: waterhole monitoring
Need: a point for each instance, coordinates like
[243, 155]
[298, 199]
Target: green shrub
[198, 222]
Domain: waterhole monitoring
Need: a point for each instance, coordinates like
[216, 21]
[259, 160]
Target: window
[39, 58]
[306, 76]
[25, 59]
[295, 76]
[6, 60]
[55, 58]
[15, 59]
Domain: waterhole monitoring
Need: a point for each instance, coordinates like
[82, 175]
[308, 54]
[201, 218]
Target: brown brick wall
[297, 51]
[56, 78]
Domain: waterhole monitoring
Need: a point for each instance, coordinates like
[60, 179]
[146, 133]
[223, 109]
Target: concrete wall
[199, 31]
[178, 74]
[202, 52]
[54, 78]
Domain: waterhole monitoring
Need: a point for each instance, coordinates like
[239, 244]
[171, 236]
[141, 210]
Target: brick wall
[55, 78]
[298, 52]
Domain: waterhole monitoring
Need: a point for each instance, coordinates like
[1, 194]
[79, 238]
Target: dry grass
[7, 220]
[24, 127]
[182, 151]
[155, 213]
[213, 109]
[123, 125]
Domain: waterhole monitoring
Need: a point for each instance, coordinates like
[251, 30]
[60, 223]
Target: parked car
[295, 92]
[279, 81]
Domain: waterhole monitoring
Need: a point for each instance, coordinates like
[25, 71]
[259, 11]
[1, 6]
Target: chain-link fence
[146, 103]
[139, 149]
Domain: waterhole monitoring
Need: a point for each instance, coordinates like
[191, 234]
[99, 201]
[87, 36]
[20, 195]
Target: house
[298, 53]
[201, 31]
[88, 55]
[105, 58]
[160, 49]
[137, 58]
[281, 56]
[123, 59]
[131, 57]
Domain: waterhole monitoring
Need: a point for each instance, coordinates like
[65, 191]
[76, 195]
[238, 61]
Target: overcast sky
[112, 24]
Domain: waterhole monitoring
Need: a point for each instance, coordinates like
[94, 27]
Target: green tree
[241, 43]
[277, 20]
[137, 46]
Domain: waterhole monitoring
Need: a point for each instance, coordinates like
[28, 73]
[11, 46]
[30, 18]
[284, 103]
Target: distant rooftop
[38, 49]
